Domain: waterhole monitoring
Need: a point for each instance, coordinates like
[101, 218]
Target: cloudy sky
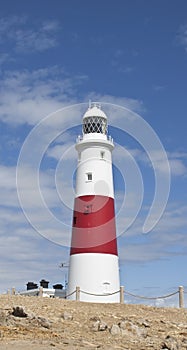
[132, 57]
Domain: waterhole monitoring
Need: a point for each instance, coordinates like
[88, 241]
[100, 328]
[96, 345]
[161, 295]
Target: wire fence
[122, 293]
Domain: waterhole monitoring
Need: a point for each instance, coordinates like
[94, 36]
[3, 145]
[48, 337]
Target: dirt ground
[47, 323]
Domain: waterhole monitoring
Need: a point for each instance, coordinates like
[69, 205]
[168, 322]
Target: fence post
[121, 295]
[77, 293]
[181, 296]
[41, 292]
[13, 291]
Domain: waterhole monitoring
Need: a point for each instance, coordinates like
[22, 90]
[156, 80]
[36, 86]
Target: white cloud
[177, 167]
[176, 160]
[21, 256]
[66, 151]
[7, 23]
[174, 220]
[28, 97]
[26, 256]
[8, 195]
[126, 69]
[182, 36]
[121, 152]
[4, 58]
[141, 253]
[46, 192]
[26, 38]
[166, 240]
[118, 62]
[8, 187]
[130, 103]
[159, 88]
[7, 177]
[10, 216]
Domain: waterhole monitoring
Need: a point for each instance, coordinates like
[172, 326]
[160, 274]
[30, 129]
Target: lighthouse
[94, 266]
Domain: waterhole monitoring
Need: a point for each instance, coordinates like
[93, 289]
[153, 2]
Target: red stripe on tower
[94, 229]
[93, 254]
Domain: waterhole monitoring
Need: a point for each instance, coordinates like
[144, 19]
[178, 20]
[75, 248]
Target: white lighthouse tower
[93, 256]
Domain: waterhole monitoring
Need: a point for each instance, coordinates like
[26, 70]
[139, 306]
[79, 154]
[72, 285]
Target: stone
[86, 344]
[140, 332]
[99, 326]
[67, 316]
[170, 343]
[127, 327]
[184, 342]
[18, 311]
[94, 318]
[3, 318]
[144, 323]
[95, 326]
[102, 326]
[123, 325]
[43, 322]
[115, 330]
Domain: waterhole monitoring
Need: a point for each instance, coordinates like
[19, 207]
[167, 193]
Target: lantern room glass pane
[95, 125]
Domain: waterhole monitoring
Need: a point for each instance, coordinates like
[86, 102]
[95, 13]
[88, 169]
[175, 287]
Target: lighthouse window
[89, 176]
[87, 209]
[95, 125]
[74, 220]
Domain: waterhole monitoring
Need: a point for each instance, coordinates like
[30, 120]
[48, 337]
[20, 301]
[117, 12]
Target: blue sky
[56, 54]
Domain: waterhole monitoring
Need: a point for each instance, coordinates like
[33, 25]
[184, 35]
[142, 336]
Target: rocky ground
[45, 323]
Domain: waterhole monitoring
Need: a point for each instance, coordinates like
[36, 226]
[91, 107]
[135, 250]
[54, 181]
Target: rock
[184, 342]
[40, 321]
[3, 318]
[94, 318]
[144, 323]
[183, 325]
[123, 325]
[95, 326]
[67, 316]
[99, 326]
[128, 327]
[140, 332]
[115, 330]
[102, 326]
[170, 343]
[43, 322]
[19, 312]
[86, 344]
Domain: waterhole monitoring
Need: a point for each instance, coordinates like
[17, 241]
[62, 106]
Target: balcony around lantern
[95, 137]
